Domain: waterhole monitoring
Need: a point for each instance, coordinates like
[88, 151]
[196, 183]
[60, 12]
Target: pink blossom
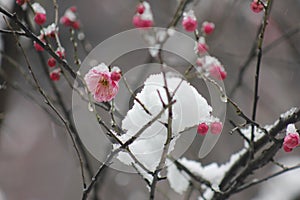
[202, 128]
[40, 13]
[189, 21]
[65, 21]
[208, 27]
[140, 8]
[102, 83]
[37, 46]
[138, 22]
[216, 127]
[55, 74]
[291, 140]
[40, 18]
[76, 25]
[51, 62]
[256, 6]
[211, 66]
[217, 72]
[73, 9]
[69, 19]
[202, 46]
[61, 52]
[115, 76]
[143, 17]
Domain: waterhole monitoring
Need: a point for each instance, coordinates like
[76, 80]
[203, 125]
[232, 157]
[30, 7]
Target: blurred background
[37, 161]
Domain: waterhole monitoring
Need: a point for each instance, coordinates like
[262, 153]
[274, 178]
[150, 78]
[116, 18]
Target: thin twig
[255, 182]
[134, 96]
[258, 63]
[240, 132]
[21, 33]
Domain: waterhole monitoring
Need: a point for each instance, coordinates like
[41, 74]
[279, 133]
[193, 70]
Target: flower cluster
[207, 29]
[49, 32]
[69, 19]
[55, 74]
[211, 66]
[292, 139]
[143, 17]
[215, 128]
[103, 82]
[206, 64]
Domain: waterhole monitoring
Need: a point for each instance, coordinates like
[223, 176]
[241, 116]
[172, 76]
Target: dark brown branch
[258, 64]
[235, 170]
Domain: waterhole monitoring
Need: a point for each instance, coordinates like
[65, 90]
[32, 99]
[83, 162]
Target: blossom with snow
[40, 13]
[202, 47]
[189, 21]
[37, 46]
[49, 31]
[218, 72]
[143, 17]
[256, 6]
[208, 27]
[102, 82]
[292, 139]
[69, 19]
[211, 66]
[55, 74]
[60, 51]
